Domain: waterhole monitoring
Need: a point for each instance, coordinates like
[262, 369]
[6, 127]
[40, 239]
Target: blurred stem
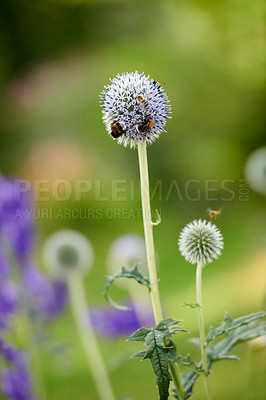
[87, 336]
[147, 222]
[201, 326]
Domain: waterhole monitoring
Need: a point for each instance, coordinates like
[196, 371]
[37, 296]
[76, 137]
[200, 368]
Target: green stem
[201, 326]
[148, 232]
[87, 336]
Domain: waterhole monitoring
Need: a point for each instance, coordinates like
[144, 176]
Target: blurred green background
[56, 57]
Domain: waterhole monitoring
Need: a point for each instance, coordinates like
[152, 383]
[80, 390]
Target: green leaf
[140, 334]
[243, 333]
[160, 351]
[229, 324]
[188, 381]
[191, 305]
[139, 354]
[132, 273]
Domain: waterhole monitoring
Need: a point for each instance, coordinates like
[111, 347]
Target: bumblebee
[117, 129]
[144, 101]
[154, 82]
[145, 126]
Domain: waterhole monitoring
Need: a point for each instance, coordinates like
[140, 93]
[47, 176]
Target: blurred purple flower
[15, 380]
[113, 323]
[16, 222]
[45, 296]
[16, 384]
[12, 355]
[8, 301]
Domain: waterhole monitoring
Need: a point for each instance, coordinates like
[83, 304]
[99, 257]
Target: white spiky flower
[200, 242]
[67, 251]
[138, 104]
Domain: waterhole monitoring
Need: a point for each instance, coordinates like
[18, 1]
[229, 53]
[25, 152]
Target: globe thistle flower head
[200, 242]
[67, 251]
[135, 109]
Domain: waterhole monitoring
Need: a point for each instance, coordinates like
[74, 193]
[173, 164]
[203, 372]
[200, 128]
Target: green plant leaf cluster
[160, 350]
[132, 273]
[234, 331]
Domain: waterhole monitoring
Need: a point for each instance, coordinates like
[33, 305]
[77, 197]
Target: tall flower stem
[87, 336]
[148, 232]
[201, 326]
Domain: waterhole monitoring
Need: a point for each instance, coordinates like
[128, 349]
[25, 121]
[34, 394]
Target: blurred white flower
[255, 170]
[67, 251]
[127, 251]
[200, 242]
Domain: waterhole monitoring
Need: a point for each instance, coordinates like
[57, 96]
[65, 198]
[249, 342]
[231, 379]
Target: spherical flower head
[67, 251]
[135, 109]
[200, 242]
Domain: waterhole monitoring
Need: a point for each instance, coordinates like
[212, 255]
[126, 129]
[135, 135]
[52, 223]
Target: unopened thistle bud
[200, 242]
[135, 109]
[66, 251]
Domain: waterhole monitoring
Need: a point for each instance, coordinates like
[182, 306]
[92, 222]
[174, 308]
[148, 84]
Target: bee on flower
[135, 109]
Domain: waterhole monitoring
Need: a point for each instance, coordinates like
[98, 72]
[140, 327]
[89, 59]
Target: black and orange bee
[145, 126]
[154, 82]
[117, 129]
[214, 213]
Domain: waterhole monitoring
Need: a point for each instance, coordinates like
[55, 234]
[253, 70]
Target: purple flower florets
[16, 223]
[15, 380]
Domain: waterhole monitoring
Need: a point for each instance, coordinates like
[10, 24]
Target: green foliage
[132, 273]
[239, 334]
[230, 324]
[235, 331]
[160, 351]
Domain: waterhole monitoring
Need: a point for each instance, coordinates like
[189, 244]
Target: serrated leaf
[139, 354]
[229, 324]
[160, 351]
[140, 334]
[188, 382]
[191, 305]
[132, 273]
[242, 333]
